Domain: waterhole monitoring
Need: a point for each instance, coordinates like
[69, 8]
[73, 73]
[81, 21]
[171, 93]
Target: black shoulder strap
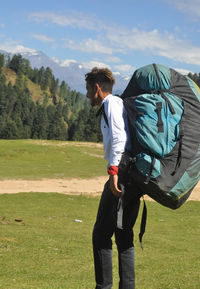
[143, 223]
[102, 111]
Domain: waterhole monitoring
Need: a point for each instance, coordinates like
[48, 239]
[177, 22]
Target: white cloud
[182, 52]
[64, 63]
[113, 59]
[91, 64]
[85, 65]
[56, 60]
[124, 68]
[162, 44]
[183, 71]
[43, 38]
[73, 18]
[67, 62]
[89, 46]
[191, 7]
[135, 39]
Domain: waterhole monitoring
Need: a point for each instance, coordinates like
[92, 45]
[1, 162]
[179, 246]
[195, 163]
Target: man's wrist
[113, 170]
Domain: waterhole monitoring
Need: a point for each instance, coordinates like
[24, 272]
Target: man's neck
[103, 95]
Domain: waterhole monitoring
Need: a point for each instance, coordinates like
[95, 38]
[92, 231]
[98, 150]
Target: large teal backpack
[163, 108]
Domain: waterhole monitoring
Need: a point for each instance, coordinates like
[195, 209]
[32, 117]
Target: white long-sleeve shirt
[116, 136]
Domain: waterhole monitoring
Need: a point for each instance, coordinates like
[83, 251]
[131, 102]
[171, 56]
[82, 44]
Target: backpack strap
[102, 111]
[153, 161]
[179, 159]
[143, 223]
[160, 122]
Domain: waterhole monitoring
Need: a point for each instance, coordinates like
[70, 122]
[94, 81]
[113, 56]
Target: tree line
[63, 114]
[195, 77]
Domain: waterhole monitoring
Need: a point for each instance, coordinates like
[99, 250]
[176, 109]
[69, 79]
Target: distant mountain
[73, 73]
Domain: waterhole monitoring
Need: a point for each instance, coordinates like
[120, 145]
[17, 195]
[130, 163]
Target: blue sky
[122, 35]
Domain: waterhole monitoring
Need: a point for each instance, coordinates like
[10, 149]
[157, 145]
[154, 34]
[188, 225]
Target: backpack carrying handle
[161, 91]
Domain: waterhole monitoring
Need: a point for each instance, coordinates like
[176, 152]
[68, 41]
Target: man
[119, 205]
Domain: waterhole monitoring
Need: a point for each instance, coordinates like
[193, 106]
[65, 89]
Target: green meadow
[45, 238]
[36, 159]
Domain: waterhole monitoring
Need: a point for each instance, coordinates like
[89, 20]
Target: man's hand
[114, 186]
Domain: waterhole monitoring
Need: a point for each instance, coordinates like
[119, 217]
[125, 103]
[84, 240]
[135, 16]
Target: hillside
[37, 94]
[34, 104]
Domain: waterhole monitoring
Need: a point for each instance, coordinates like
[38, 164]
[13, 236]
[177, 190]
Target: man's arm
[118, 142]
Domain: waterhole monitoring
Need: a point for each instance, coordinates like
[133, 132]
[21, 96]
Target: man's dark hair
[102, 76]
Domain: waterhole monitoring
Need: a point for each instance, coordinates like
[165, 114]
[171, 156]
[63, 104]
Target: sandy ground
[65, 186]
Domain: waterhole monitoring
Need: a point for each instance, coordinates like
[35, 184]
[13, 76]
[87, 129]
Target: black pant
[105, 227]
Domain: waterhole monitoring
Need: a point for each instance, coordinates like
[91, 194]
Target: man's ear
[97, 87]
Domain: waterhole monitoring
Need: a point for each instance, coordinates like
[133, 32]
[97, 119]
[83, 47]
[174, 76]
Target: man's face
[92, 95]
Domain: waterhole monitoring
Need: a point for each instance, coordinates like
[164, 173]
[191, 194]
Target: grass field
[51, 249]
[36, 159]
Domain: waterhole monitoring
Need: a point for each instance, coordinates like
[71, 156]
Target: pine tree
[20, 65]
[2, 61]
[86, 127]
[40, 123]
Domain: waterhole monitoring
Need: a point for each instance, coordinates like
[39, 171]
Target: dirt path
[65, 186]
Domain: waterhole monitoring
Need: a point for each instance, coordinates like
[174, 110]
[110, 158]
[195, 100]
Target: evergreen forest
[36, 105]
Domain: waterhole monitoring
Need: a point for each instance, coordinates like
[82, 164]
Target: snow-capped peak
[20, 49]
